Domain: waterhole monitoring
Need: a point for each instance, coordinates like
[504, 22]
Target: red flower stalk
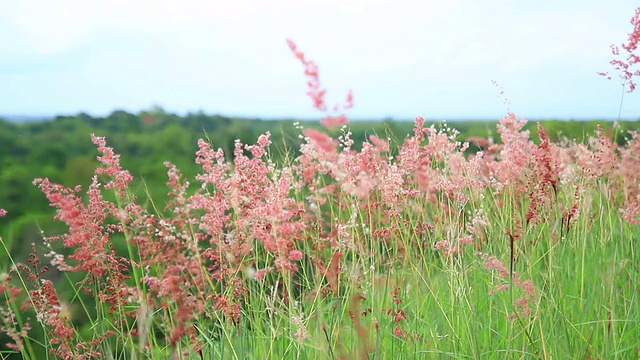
[8, 321]
[625, 66]
[111, 166]
[317, 93]
[545, 175]
[49, 312]
[544, 160]
[572, 214]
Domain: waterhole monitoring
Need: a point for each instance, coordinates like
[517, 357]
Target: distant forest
[61, 149]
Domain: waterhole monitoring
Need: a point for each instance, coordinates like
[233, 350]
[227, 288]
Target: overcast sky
[401, 58]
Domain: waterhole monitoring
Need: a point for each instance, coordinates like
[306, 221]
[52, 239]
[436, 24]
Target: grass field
[523, 250]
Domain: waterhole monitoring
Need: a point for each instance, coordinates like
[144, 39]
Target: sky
[401, 58]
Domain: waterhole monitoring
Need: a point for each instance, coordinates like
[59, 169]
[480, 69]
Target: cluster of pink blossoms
[626, 66]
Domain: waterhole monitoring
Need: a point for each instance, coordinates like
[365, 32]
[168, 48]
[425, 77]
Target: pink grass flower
[442, 244]
[317, 93]
[492, 263]
[333, 122]
[295, 255]
[111, 167]
[626, 66]
[323, 141]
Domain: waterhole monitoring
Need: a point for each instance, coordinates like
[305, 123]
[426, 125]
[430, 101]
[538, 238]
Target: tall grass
[528, 249]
